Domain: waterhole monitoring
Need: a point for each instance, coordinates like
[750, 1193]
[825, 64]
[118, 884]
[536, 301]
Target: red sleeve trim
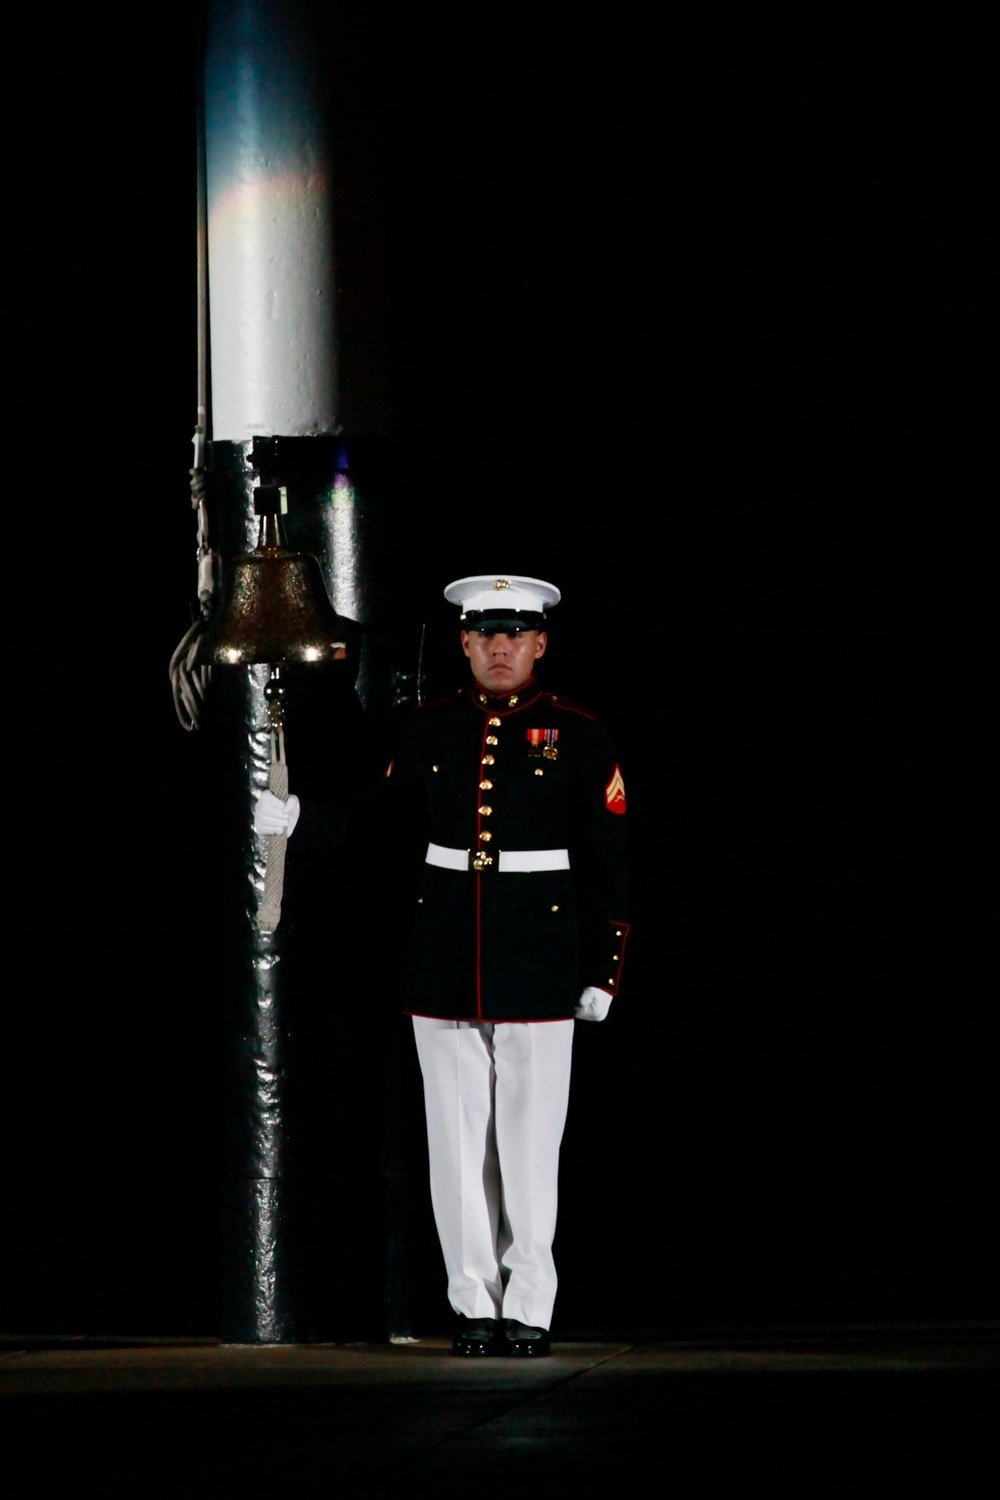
[620, 931]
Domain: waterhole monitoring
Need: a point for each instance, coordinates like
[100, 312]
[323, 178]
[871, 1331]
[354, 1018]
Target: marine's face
[503, 663]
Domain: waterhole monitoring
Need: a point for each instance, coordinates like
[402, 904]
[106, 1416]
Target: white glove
[271, 815]
[594, 1004]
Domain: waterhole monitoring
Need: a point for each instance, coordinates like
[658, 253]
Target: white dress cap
[497, 594]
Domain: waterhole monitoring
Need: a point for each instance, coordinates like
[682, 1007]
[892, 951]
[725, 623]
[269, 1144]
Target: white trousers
[496, 1097]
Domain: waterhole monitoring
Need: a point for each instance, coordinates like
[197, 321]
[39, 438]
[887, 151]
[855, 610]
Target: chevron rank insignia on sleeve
[614, 793]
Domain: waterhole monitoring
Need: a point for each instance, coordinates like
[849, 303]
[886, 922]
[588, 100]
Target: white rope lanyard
[269, 910]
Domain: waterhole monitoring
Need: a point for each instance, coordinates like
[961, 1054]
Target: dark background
[696, 322]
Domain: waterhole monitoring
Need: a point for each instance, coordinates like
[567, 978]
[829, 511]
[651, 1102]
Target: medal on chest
[542, 742]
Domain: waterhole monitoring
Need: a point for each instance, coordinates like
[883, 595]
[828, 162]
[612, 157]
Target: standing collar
[503, 703]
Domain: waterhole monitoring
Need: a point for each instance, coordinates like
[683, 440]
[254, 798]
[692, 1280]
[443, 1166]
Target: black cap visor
[502, 621]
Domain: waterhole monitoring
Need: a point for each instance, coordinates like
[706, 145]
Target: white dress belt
[507, 861]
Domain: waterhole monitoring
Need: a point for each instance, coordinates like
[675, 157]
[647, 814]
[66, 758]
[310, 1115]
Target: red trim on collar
[499, 703]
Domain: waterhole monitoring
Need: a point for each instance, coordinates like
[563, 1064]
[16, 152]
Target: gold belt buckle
[479, 861]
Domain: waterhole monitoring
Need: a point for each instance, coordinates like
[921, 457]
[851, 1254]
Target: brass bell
[274, 606]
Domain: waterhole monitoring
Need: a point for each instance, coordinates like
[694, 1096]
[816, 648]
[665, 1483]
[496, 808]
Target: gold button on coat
[487, 812]
[488, 760]
[486, 786]
[491, 739]
[494, 723]
[485, 836]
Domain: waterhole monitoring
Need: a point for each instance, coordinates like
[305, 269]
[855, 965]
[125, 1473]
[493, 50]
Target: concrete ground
[788, 1411]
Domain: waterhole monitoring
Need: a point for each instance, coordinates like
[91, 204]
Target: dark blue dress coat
[518, 771]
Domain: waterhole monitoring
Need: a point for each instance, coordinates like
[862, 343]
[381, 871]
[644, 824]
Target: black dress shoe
[477, 1336]
[525, 1342]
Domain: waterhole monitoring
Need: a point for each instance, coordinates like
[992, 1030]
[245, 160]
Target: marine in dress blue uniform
[519, 927]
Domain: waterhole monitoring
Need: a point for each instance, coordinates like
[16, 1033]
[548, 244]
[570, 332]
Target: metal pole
[277, 414]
